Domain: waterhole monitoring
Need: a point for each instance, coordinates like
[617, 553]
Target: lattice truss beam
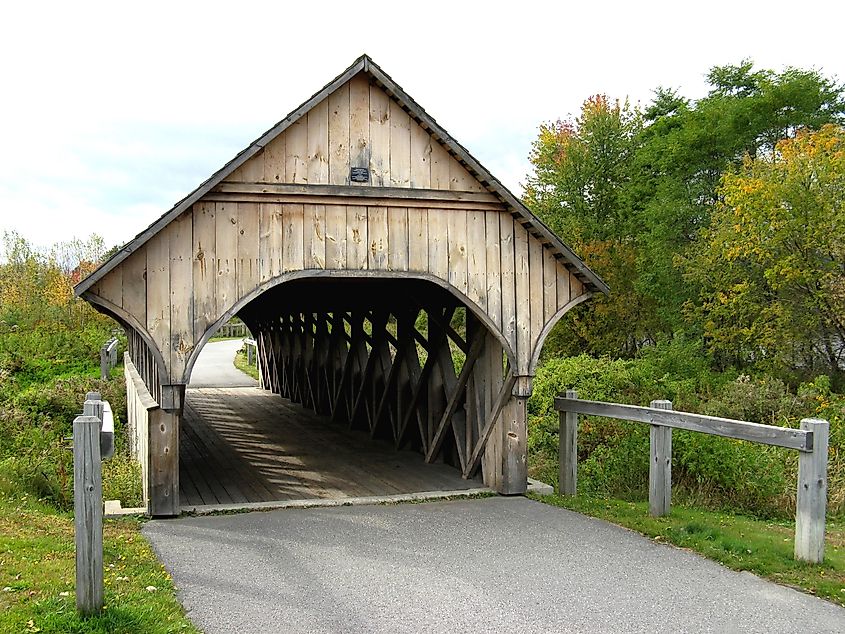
[428, 378]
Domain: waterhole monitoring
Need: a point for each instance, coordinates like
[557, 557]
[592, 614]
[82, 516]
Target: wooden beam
[356, 192]
[457, 391]
[766, 434]
[501, 398]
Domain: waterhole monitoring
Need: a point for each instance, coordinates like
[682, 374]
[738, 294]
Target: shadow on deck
[244, 446]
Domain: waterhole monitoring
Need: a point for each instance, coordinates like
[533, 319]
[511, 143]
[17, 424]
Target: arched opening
[369, 385]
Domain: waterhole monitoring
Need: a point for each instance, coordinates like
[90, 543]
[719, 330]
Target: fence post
[568, 450]
[812, 494]
[88, 509]
[660, 466]
[104, 361]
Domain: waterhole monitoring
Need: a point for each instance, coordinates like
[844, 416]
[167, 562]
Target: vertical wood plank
[315, 236]
[226, 239]
[339, 120]
[377, 235]
[204, 268]
[379, 137]
[397, 225]
[459, 178]
[359, 123]
[181, 294]
[293, 256]
[164, 463]
[493, 267]
[562, 285]
[660, 466]
[253, 170]
[275, 160]
[247, 273]
[296, 161]
[335, 237]
[515, 447]
[506, 240]
[269, 241]
[536, 265]
[318, 143]
[111, 286]
[357, 245]
[438, 243]
[811, 506]
[549, 286]
[420, 157]
[522, 284]
[439, 166]
[158, 291]
[477, 258]
[417, 239]
[457, 238]
[400, 146]
[135, 286]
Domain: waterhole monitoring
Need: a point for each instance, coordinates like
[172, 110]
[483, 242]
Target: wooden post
[88, 511]
[812, 494]
[164, 463]
[515, 446]
[568, 450]
[660, 467]
[104, 361]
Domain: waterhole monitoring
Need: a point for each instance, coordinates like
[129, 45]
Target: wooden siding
[213, 256]
[358, 125]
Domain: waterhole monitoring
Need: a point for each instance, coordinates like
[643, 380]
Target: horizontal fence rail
[799, 439]
[811, 440]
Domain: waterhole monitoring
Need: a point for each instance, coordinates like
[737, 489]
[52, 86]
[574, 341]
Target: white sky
[111, 112]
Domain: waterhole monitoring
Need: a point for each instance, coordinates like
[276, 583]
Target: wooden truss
[408, 376]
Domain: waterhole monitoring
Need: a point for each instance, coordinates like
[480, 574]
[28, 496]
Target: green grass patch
[242, 365]
[764, 547]
[37, 578]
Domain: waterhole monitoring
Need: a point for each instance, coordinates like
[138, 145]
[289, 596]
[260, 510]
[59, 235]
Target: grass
[764, 547]
[243, 366]
[37, 577]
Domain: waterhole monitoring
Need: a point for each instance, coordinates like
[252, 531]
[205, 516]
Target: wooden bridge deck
[243, 445]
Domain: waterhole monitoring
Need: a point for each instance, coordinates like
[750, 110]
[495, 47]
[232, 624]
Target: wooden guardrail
[811, 440]
[108, 357]
[232, 330]
[251, 348]
[93, 441]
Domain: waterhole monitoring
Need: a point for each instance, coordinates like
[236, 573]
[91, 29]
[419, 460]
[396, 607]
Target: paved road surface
[214, 367]
[485, 565]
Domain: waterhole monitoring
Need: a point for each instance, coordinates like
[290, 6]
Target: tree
[685, 148]
[582, 188]
[771, 266]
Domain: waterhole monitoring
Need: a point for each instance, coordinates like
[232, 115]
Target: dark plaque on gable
[359, 175]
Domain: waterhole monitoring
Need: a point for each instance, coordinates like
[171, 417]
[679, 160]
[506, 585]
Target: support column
[515, 442]
[164, 452]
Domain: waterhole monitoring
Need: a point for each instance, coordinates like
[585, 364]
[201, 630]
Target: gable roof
[365, 65]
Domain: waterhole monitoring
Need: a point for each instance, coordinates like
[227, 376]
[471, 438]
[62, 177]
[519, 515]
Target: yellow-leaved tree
[772, 262]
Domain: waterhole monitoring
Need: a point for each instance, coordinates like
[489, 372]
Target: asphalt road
[215, 368]
[484, 565]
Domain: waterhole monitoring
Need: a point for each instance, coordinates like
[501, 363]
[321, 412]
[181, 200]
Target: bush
[717, 472]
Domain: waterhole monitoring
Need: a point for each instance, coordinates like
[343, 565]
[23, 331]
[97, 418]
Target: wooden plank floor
[247, 445]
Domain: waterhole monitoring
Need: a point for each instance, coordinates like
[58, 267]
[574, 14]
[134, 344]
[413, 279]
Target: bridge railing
[811, 441]
[93, 441]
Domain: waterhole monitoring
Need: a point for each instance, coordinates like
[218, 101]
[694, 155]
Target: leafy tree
[684, 149]
[771, 266]
[582, 187]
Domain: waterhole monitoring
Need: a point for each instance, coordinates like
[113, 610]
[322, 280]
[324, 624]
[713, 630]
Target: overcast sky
[111, 112]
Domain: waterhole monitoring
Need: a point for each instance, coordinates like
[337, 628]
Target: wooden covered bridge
[348, 237]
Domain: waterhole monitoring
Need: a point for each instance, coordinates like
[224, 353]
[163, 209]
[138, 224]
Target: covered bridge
[347, 237]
